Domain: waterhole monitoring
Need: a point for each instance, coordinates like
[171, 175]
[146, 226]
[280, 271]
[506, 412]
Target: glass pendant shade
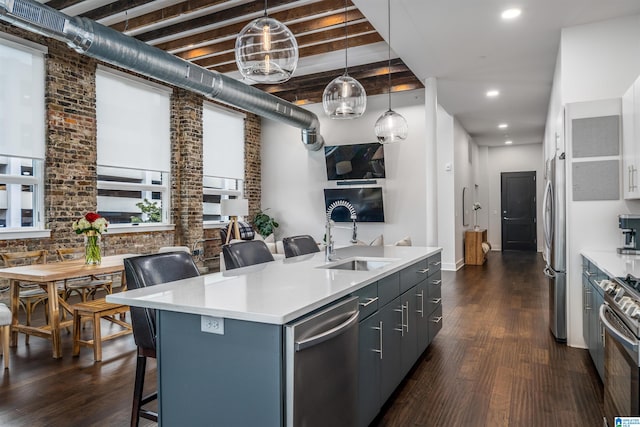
[391, 127]
[344, 98]
[266, 51]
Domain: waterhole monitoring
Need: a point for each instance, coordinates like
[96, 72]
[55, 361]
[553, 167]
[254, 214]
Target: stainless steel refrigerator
[554, 219]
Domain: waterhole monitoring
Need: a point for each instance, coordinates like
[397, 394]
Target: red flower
[91, 216]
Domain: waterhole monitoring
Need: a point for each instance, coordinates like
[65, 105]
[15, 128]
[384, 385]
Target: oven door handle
[633, 345]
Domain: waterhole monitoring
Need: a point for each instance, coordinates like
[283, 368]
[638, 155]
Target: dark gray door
[518, 196]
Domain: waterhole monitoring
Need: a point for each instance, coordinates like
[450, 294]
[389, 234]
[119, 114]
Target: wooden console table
[473, 253]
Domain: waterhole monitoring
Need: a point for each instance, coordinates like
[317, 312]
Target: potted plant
[264, 224]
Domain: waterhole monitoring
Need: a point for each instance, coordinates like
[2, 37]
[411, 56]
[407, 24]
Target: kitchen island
[221, 337]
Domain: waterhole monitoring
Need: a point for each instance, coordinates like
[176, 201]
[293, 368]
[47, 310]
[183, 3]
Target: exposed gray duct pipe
[103, 43]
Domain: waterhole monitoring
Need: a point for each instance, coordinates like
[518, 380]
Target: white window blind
[133, 121]
[22, 116]
[223, 142]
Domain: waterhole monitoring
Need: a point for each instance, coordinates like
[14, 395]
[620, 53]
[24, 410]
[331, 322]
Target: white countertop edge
[140, 297]
[612, 263]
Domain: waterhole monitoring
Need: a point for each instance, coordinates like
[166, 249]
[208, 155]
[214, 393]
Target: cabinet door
[370, 359]
[586, 305]
[629, 151]
[409, 348]
[391, 317]
[435, 322]
[596, 330]
[422, 310]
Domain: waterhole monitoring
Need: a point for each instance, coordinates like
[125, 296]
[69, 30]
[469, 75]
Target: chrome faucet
[329, 252]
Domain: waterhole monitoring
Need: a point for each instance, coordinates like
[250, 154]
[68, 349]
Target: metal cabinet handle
[437, 263]
[437, 319]
[587, 294]
[327, 335]
[423, 271]
[369, 302]
[401, 311]
[421, 296]
[379, 329]
[407, 308]
[589, 274]
[436, 300]
[436, 282]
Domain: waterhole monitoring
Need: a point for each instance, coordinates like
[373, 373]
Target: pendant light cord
[389, 44]
[265, 8]
[346, 40]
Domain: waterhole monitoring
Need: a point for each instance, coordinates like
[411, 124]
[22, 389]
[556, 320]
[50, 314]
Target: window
[22, 135]
[134, 149]
[222, 159]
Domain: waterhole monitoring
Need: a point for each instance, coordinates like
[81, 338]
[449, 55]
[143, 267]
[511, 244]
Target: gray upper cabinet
[631, 141]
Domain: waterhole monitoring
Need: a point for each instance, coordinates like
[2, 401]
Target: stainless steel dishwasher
[322, 367]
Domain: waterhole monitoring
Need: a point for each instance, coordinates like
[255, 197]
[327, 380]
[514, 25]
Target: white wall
[597, 61]
[464, 153]
[446, 203]
[515, 158]
[293, 178]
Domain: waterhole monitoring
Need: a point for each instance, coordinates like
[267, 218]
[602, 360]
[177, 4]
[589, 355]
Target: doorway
[518, 205]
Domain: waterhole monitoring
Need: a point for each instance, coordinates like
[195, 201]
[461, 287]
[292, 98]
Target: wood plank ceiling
[204, 32]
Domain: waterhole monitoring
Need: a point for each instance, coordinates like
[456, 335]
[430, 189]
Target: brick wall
[70, 169]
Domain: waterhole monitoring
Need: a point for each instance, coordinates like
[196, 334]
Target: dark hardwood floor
[494, 363]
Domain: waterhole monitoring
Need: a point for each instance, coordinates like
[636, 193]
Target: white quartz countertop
[612, 263]
[275, 292]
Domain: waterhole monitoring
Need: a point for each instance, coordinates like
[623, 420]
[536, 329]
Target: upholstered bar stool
[299, 245]
[246, 253]
[5, 332]
[140, 272]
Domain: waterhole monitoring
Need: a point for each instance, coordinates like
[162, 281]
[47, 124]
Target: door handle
[369, 301]
[379, 329]
[421, 296]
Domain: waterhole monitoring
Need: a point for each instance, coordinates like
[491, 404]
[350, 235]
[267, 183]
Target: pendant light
[344, 97]
[266, 50]
[391, 127]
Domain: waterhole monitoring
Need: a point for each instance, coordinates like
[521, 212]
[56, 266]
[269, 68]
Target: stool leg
[5, 331]
[141, 364]
[97, 341]
[77, 322]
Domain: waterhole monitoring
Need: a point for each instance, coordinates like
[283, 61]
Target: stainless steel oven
[620, 317]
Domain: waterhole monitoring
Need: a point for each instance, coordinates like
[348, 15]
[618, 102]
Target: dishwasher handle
[326, 335]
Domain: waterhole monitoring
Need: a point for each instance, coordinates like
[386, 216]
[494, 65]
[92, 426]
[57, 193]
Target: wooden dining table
[47, 276]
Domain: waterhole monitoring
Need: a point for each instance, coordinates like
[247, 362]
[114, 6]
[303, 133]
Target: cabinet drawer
[413, 275]
[434, 292]
[388, 289]
[367, 300]
[433, 264]
[435, 322]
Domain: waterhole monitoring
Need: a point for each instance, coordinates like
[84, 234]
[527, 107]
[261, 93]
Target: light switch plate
[212, 325]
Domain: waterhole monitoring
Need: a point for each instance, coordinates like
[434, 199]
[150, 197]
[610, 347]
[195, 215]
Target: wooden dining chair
[84, 286]
[30, 293]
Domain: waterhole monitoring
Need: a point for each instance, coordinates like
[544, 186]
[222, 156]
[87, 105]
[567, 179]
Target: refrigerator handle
[549, 272]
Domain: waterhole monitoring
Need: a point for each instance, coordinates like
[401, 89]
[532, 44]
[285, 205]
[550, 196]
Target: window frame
[36, 179]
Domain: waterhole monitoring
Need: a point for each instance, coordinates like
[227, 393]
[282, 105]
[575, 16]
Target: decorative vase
[92, 251]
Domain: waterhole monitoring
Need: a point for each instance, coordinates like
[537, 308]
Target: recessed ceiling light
[503, 126]
[493, 93]
[511, 13]
[509, 142]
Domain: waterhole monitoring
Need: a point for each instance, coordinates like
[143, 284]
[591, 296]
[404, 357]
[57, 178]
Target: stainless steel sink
[358, 264]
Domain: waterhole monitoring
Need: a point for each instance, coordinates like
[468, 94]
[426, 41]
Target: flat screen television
[367, 202]
[357, 161]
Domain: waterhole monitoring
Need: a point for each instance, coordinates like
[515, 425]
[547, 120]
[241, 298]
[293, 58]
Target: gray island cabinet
[222, 337]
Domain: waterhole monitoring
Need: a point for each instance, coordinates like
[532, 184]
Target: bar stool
[245, 253]
[140, 272]
[5, 332]
[299, 245]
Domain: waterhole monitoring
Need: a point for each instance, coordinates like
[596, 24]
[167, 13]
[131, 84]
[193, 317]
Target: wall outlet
[212, 325]
[197, 252]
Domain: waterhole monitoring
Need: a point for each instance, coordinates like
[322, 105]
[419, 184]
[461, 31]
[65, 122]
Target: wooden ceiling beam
[169, 12]
[228, 59]
[114, 8]
[235, 13]
[298, 29]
